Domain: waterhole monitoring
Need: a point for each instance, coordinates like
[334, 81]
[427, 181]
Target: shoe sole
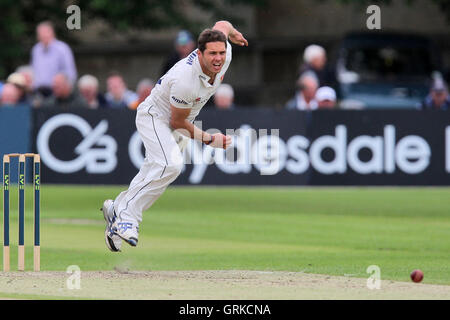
[132, 241]
[109, 242]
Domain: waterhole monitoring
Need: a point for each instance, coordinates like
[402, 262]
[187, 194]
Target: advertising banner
[269, 147]
[15, 134]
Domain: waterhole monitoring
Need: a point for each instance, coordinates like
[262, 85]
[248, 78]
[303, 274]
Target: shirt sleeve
[181, 96]
[229, 55]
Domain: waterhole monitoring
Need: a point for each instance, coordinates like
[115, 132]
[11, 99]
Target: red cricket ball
[417, 275]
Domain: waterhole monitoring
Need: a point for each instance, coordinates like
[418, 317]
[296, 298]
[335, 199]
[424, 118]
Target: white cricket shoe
[127, 231]
[113, 241]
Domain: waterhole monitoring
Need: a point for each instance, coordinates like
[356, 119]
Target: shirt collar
[50, 46]
[203, 77]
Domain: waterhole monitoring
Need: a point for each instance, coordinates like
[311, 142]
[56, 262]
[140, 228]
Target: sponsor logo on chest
[202, 100]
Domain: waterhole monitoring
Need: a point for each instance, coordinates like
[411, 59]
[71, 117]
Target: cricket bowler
[165, 124]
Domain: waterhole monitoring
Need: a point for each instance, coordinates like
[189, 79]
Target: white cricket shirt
[185, 86]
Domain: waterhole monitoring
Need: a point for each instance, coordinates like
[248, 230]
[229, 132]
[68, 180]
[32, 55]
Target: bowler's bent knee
[174, 169]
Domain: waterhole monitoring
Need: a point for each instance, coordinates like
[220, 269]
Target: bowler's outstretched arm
[231, 33]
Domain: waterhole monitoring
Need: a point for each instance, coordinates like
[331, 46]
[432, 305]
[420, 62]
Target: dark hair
[209, 35]
[114, 73]
[46, 23]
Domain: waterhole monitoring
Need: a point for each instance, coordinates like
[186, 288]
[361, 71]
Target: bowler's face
[213, 58]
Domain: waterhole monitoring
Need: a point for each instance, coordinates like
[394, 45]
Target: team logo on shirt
[178, 100]
[191, 58]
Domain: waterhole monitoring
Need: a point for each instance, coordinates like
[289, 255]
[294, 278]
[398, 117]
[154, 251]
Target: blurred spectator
[49, 57]
[27, 72]
[88, 88]
[315, 60]
[10, 96]
[438, 99]
[31, 97]
[144, 88]
[184, 45]
[326, 98]
[304, 99]
[64, 96]
[118, 96]
[19, 81]
[224, 97]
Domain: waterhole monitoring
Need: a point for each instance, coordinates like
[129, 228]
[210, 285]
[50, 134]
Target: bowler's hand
[237, 38]
[220, 141]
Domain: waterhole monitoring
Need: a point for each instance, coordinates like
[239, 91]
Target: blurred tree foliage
[20, 17]
[444, 5]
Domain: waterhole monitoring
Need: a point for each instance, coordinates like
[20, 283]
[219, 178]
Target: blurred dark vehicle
[385, 70]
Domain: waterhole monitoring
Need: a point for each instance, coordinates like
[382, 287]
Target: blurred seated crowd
[315, 86]
[51, 81]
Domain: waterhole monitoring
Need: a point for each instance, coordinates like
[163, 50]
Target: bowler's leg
[161, 167]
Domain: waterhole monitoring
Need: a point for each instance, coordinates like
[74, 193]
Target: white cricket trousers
[162, 164]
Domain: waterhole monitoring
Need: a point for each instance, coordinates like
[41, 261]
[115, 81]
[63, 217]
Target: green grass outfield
[333, 231]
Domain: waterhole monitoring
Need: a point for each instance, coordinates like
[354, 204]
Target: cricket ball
[417, 275]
